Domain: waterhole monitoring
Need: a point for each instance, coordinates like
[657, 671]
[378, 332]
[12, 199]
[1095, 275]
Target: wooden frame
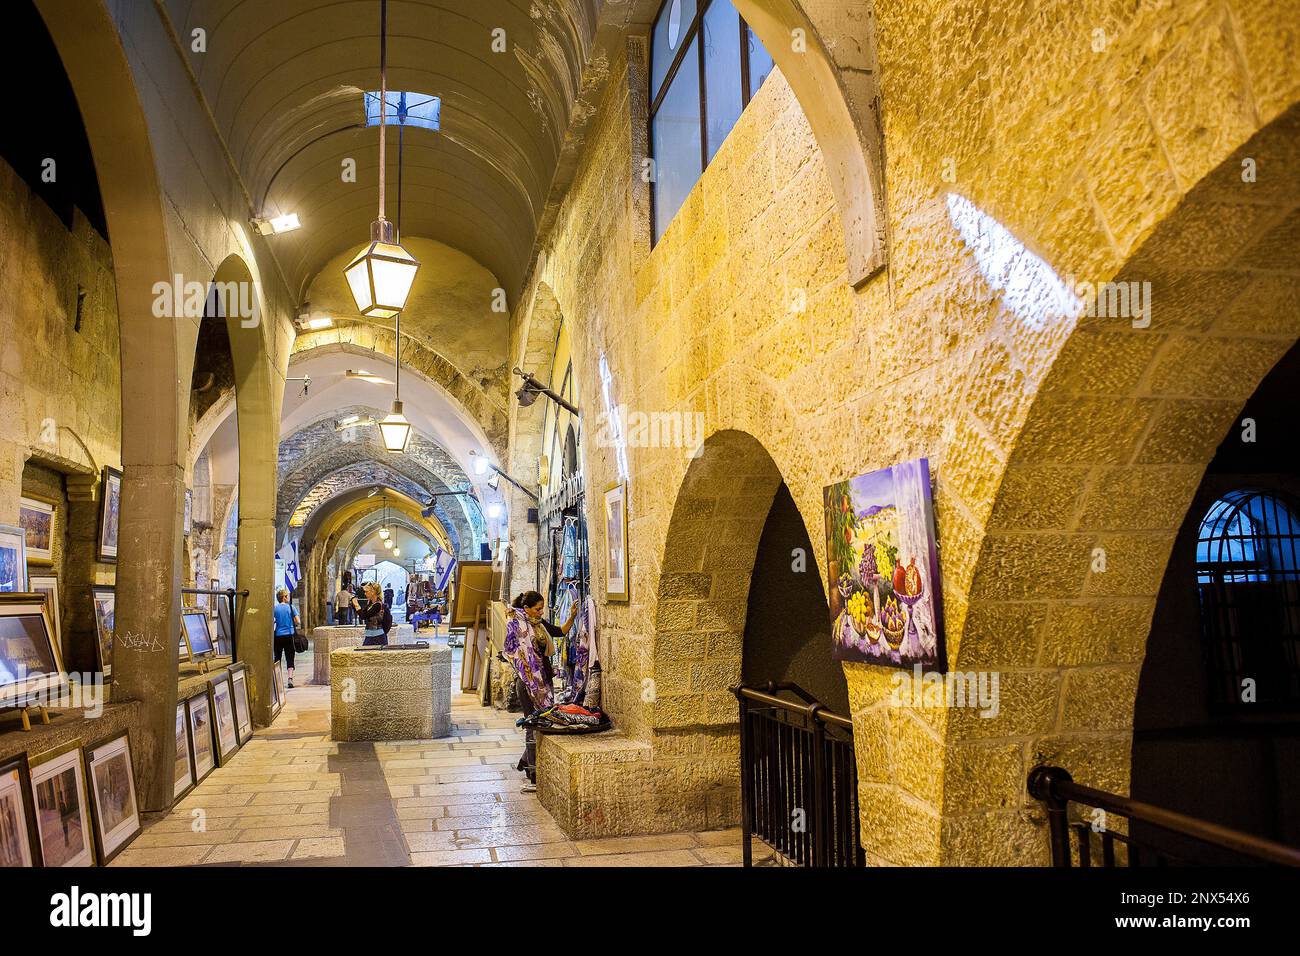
[40, 507]
[110, 513]
[47, 583]
[42, 685]
[473, 590]
[45, 768]
[13, 558]
[226, 748]
[16, 785]
[198, 708]
[197, 617]
[278, 689]
[183, 778]
[239, 693]
[99, 594]
[112, 840]
[616, 491]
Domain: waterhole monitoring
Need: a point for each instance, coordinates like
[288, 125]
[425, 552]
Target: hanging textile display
[585, 652]
[521, 653]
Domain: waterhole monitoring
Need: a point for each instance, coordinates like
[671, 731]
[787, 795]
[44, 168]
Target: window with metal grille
[1248, 583]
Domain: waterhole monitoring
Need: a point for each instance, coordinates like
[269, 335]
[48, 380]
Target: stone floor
[291, 796]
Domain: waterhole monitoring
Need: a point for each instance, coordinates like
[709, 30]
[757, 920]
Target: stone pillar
[256, 573]
[145, 660]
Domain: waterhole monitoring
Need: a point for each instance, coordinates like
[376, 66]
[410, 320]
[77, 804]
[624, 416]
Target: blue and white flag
[289, 555]
[443, 566]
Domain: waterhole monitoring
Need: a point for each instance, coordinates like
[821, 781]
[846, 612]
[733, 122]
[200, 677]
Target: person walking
[286, 625]
[376, 616]
[345, 604]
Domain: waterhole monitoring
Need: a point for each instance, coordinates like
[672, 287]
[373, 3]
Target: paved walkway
[291, 796]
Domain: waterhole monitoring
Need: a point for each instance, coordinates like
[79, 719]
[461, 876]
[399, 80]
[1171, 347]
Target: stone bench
[327, 640]
[390, 694]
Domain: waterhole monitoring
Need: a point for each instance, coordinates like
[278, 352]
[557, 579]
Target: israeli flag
[289, 555]
[443, 566]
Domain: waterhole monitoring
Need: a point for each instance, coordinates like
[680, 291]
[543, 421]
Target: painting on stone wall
[36, 517]
[616, 569]
[103, 597]
[109, 515]
[13, 558]
[881, 548]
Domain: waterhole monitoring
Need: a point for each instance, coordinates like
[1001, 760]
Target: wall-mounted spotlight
[533, 387]
[482, 466]
[275, 225]
[365, 376]
[494, 510]
[353, 421]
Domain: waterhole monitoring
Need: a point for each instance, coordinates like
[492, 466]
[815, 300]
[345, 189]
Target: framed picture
[184, 774]
[189, 511]
[110, 507]
[19, 846]
[196, 633]
[36, 517]
[202, 745]
[615, 513]
[243, 713]
[112, 791]
[277, 689]
[47, 583]
[58, 780]
[223, 717]
[13, 558]
[225, 627]
[103, 598]
[882, 553]
[31, 666]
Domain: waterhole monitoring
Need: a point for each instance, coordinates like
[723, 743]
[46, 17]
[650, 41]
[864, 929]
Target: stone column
[256, 574]
[145, 659]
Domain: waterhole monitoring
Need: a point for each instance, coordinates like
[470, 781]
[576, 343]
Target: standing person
[375, 615]
[544, 634]
[388, 596]
[345, 604]
[286, 623]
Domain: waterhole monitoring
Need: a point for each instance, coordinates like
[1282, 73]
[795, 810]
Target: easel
[26, 715]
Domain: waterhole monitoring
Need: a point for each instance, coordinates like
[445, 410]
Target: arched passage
[1098, 482]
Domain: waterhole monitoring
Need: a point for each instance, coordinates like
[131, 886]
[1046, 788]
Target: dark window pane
[760, 63]
[722, 95]
[675, 141]
[669, 34]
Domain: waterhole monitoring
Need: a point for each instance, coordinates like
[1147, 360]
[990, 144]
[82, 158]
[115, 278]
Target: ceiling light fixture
[381, 275]
[276, 225]
[363, 375]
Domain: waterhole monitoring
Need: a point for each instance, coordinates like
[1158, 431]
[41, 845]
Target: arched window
[705, 65]
[1248, 580]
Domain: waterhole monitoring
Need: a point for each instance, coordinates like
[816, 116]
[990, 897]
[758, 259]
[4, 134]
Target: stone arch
[826, 50]
[1097, 484]
[703, 585]
[153, 359]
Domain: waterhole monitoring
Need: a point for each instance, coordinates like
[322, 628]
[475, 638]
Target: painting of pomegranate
[886, 606]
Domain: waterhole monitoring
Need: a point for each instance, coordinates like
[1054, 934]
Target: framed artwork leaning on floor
[58, 782]
[112, 792]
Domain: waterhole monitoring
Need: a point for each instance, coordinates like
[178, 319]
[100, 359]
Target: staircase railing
[798, 778]
[1097, 843]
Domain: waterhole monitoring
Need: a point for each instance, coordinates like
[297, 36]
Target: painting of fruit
[881, 547]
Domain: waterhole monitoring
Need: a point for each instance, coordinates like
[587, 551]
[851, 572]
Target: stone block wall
[742, 313]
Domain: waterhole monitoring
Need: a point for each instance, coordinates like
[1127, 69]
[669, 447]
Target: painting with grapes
[886, 606]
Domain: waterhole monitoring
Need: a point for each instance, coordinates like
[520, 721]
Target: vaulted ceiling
[284, 81]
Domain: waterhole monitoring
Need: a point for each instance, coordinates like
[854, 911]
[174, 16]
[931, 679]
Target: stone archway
[1097, 485]
[826, 50]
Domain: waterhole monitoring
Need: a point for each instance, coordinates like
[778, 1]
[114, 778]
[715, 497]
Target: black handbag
[299, 642]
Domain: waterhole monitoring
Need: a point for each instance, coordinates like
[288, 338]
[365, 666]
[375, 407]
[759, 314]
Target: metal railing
[798, 778]
[1096, 843]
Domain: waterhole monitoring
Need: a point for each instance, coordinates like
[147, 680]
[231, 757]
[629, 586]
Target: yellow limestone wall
[742, 313]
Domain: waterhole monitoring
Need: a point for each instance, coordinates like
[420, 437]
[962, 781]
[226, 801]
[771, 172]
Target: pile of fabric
[565, 718]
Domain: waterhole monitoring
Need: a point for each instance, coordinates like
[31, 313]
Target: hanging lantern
[395, 429]
[381, 275]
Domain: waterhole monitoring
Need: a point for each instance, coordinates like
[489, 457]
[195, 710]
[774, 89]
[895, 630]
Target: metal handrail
[1056, 788]
[229, 594]
[813, 708]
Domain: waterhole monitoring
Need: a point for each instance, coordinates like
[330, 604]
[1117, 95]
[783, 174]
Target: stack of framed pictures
[224, 720]
[69, 806]
[243, 712]
[202, 747]
[277, 689]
